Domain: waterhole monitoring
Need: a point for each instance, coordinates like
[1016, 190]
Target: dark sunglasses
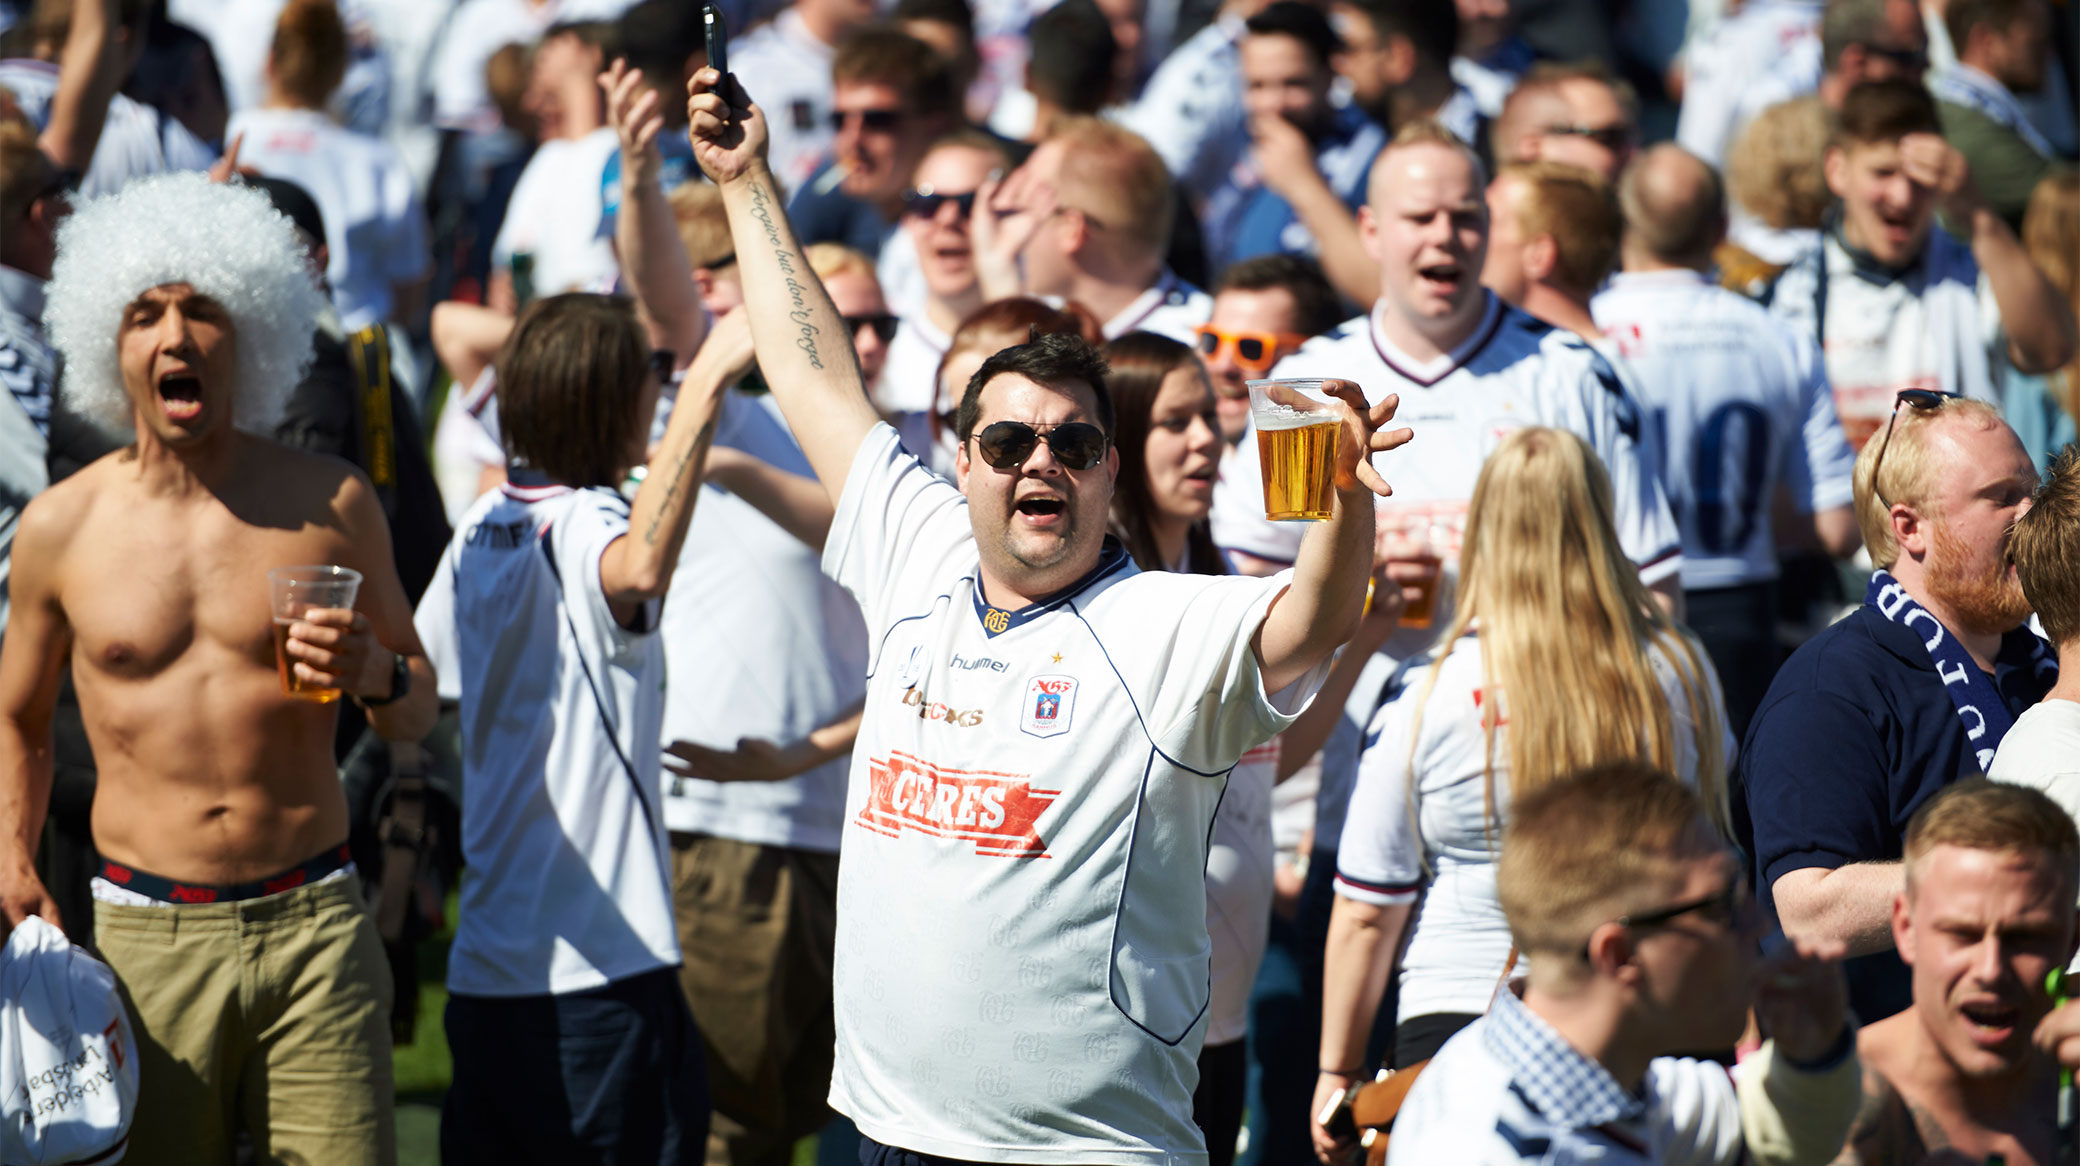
[1924, 400]
[662, 362]
[1006, 445]
[1913, 62]
[878, 120]
[1728, 905]
[884, 325]
[1612, 138]
[924, 202]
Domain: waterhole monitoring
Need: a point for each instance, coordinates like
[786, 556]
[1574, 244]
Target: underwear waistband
[167, 890]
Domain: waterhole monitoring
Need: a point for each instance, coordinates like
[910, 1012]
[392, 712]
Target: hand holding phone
[717, 35]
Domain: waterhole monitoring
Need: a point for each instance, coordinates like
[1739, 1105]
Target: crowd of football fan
[818, 610]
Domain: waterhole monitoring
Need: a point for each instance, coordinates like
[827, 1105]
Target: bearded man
[1902, 697]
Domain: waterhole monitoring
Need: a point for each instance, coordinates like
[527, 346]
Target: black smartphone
[717, 35]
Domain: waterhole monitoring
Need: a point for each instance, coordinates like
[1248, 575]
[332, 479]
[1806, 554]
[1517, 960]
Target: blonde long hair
[1565, 627]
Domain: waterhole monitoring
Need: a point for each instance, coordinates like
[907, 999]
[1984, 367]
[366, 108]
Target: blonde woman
[1556, 660]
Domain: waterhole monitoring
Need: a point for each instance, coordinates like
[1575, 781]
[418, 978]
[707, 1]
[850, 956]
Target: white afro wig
[228, 243]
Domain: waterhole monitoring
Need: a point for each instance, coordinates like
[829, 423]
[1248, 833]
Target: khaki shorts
[757, 926]
[269, 1014]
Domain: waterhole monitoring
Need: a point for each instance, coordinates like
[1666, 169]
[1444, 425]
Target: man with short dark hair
[1029, 695]
[1901, 697]
[788, 61]
[1641, 939]
[2003, 48]
[892, 95]
[1743, 407]
[1305, 177]
[1069, 69]
[1895, 303]
[1398, 61]
[1985, 915]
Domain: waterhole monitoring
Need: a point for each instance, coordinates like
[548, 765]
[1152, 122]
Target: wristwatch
[400, 683]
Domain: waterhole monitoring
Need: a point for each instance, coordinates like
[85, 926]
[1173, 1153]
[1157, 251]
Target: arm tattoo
[762, 210]
[671, 488]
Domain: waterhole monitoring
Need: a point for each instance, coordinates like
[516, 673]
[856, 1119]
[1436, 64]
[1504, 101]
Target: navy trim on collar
[1110, 559]
[1491, 322]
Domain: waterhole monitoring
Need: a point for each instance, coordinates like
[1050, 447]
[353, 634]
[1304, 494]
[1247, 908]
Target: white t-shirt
[758, 643]
[2042, 750]
[1022, 956]
[374, 227]
[1933, 326]
[787, 71]
[555, 216]
[1191, 110]
[910, 376]
[241, 35]
[568, 885]
[1741, 51]
[1171, 307]
[1238, 891]
[1418, 822]
[136, 140]
[1739, 402]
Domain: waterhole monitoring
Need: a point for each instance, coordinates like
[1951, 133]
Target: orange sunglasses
[1254, 351]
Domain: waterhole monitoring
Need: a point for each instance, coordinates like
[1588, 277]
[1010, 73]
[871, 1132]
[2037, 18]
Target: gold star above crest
[1057, 657]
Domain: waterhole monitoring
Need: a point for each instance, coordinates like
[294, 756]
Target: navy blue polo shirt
[1855, 733]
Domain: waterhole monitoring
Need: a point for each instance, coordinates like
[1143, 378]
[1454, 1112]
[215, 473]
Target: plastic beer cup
[293, 592]
[1297, 424]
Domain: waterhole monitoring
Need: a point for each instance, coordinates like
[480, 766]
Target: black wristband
[1836, 1053]
[400, 683]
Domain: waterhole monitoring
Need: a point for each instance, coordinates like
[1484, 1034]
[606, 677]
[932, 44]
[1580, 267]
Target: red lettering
[276, 886]
[185, 894]
[1054, 685]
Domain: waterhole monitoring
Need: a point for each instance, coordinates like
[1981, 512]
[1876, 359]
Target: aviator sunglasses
[1006, 445]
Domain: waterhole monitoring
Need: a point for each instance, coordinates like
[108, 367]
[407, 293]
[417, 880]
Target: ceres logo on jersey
[1050, 700]
[998, 811]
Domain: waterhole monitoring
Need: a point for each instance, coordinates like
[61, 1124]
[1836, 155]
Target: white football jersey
[1933, 326]
[1171, 308]
[136, 139]
[1238, 890]
[1022, 956]
[568, 886]
[1744, 49]
[1737, 401]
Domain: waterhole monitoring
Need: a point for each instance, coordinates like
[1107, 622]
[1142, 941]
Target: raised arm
[1319, 611]
[90, 70]
[38, 640]
[645, 234]
[2041, 328]
[804, 348]
[1286, 160]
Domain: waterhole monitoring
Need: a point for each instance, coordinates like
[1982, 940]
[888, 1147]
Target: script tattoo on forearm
[762, 210]
[678, 480]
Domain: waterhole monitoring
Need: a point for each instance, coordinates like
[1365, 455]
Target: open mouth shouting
[1990, 1023]
[1443, 280]
[180, 395]
[1042, 511]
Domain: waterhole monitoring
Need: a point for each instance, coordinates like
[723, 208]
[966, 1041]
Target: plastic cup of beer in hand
[1297, 425]
[1420, 541]
[295, 592]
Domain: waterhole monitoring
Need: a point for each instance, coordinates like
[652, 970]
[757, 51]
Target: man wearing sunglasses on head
[1021, 969]
[1904, 695]
[1642, 946]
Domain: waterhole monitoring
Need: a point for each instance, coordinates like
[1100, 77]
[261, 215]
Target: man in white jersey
[1741, 406]
[1471, 368]
[1094, 205]
[1741, 51]
[1897, 304]
[1022, 960]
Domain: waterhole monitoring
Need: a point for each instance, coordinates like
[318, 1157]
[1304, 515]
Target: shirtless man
[226, 905]
[1986, 914]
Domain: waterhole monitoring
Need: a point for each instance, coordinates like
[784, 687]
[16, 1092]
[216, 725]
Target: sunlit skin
[1270, 310]
[1884, 211]
[177, 350]
[1426, 225]
[877, 161]
[1701, 965]
[1593, 105]
[944, 252]
[1047, 270]
[857, 294]
[1982, 481]
[1504, 272]
[1281, 78]
[1183, 452]
[1039, 523]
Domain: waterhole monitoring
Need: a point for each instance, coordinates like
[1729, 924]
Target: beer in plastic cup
[1416, 538]
[293, 592]
[1296, 423]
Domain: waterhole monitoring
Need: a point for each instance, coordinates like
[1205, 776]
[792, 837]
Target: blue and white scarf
[1961, 84]
[1979, 705]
